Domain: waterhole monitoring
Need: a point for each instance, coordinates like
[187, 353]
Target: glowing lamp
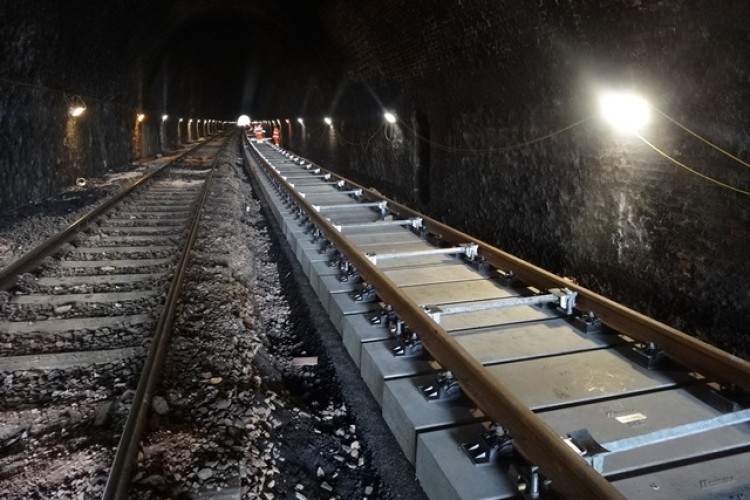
[180, 120]
[328, 121]
[164, 117]
[389, 117]
[140, 117]
[76, 110]
[300, 121]
[243, 121]
[627, 113]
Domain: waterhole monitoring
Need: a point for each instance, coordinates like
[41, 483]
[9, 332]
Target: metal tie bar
[594, 452]
[466, 249]
[319, 208]
[565, 298]
[415, 222]
[332, 183]
[355, 192]
[307, 176]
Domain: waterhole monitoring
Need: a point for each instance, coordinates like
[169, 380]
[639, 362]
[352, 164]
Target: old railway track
[83, 337]
[498, 378]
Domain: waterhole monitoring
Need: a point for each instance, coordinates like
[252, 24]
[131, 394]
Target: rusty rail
[118, 481]
[31, 259]
[532, 437]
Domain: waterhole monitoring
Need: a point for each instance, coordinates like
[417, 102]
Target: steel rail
[532, 437]
[693, 353]
[31, 259]
[118, 482]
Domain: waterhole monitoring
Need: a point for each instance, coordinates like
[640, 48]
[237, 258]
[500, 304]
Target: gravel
[233, 414]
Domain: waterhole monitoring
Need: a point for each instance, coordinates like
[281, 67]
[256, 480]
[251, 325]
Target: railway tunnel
[497, 128]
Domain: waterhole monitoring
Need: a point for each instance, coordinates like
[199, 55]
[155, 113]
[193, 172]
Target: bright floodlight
[389, 117]
[328, 121]
[625, 112]
[243, 121]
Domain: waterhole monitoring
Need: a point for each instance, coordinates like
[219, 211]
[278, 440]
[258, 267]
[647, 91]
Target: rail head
[533, 438]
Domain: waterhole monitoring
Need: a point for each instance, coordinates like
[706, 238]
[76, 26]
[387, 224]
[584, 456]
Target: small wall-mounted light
[164, 117]
[76, 106]
[389, 117]
[140, 117]
[287, 121]
[328, 121]
[190, 121]
[300, 121]
[180, 120]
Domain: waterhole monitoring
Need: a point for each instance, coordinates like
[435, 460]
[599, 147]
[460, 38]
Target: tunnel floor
[258, 397]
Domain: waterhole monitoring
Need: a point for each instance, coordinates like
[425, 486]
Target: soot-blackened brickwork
[466, 78]
[588, 203]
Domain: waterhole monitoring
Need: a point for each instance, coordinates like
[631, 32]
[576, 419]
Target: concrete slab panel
[503, 344]
[341, 304]
[725, 477]
[582, 377]
[446, 473]
[369, 239]
[408, 413]
[356, 330]
[635, 416]
[378, 365]
[460, 291]
[433, 274]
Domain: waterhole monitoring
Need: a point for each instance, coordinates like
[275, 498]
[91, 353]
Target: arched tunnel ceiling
[219, 58]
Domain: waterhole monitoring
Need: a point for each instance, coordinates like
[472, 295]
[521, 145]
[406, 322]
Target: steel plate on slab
[638, 415]
[722, 478]
[581, 377]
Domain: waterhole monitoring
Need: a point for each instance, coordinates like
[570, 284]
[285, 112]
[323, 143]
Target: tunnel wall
[51, 52]
[467, 78]
[587, 203]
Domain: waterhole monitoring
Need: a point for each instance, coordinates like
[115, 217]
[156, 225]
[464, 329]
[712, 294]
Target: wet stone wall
[603, 208]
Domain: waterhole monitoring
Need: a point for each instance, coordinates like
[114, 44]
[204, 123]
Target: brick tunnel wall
[587, 203]
[469, 76]
[108, 55]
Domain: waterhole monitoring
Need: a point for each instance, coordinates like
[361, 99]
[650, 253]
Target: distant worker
[258, 132]
[276, 135]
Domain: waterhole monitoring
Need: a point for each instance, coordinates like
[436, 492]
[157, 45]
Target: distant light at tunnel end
[243, 121]
[626, 113]
[389, 117]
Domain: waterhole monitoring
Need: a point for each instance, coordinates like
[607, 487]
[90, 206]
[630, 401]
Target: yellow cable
[705, 141]
[504, 149]
[704, 176]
